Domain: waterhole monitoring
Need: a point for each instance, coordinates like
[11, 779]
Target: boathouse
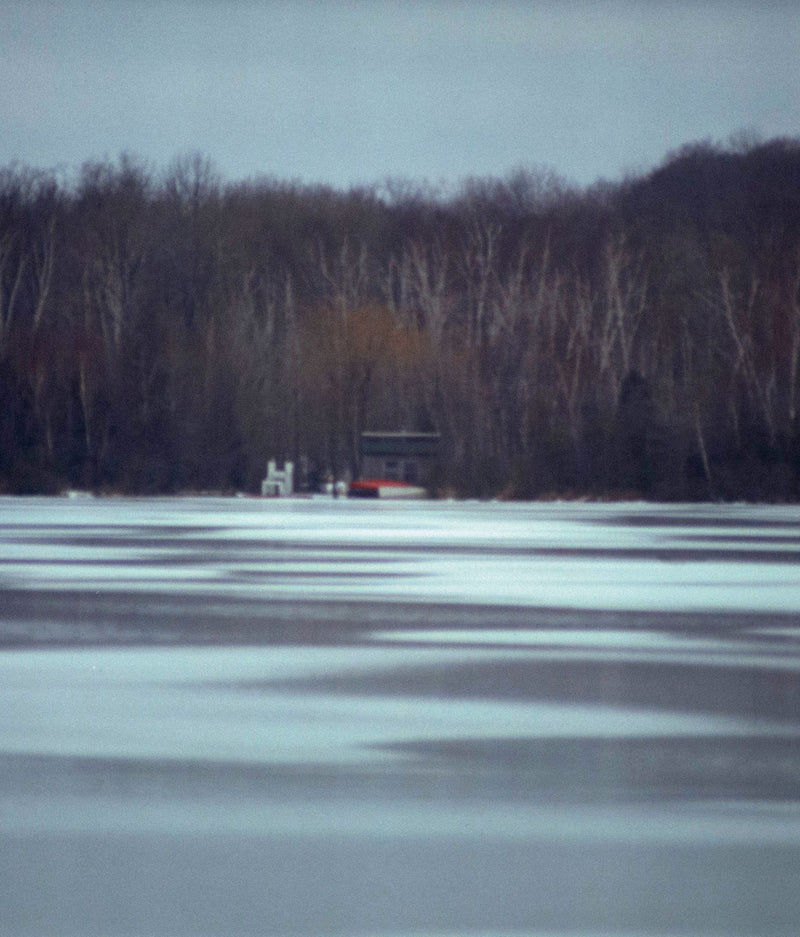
[401, 457]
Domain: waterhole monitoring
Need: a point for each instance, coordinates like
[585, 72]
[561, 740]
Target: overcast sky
[355, 92]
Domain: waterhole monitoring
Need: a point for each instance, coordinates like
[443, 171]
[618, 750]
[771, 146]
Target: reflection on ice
[203, 704]
[629, 645]
[563, 637]
[412, 819]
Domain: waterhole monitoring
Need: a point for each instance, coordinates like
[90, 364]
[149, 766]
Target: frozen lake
[315, 717]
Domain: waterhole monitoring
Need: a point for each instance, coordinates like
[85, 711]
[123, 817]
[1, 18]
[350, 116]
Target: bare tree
[624, 299]
[12, 269]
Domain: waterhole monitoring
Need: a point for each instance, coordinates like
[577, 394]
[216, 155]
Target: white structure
[278, 484]
[335, 488]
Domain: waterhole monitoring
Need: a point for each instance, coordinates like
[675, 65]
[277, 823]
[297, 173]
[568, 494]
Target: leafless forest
[166, 331]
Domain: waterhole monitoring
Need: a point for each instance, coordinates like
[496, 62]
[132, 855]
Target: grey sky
[354, 92]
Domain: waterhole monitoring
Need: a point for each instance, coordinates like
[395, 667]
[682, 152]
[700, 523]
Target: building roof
[401, 445]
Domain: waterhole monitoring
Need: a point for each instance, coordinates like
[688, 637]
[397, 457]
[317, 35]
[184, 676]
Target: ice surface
[199, 704]
[572, 644]
[306, 717]
[629, 557]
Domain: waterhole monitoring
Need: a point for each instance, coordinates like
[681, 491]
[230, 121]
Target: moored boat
[385, 488]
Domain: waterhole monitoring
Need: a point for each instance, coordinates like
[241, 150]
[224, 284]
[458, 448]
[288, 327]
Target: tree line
[169, 331]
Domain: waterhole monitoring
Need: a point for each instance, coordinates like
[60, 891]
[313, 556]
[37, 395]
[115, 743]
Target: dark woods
[172, 333]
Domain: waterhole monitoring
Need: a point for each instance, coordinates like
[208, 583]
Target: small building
[400, 457]
[279, 483]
